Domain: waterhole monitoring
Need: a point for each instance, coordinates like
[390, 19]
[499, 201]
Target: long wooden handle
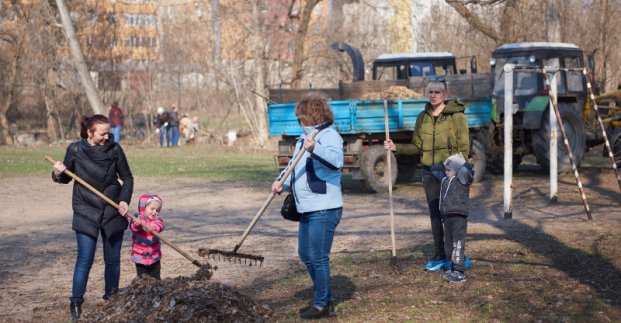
[271, 196]
[389, 177]
[131, 216]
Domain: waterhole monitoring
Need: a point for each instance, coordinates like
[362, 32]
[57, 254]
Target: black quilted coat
[102, 166]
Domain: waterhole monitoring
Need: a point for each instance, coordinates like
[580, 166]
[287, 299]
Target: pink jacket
[145, 246]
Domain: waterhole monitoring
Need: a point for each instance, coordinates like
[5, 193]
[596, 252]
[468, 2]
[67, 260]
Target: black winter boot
[107, 295]
[76, 311]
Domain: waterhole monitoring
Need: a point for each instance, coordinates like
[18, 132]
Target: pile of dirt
[393, 93]
[182, 299]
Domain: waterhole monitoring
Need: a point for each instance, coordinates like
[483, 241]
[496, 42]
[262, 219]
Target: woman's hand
[123, 208]
[59, 168]
[309, 142]
[389, 145]
[277, 187]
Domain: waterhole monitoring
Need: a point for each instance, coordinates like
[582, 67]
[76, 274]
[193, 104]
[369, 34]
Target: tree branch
[475, 21]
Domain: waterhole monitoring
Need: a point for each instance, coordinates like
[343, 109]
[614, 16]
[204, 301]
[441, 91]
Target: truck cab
[393, 67]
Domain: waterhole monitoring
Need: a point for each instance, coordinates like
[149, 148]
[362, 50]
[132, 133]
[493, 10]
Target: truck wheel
[478, 160]
[373, 165]
[574, 127]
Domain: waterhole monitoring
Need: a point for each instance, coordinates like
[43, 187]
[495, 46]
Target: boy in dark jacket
[454, 203]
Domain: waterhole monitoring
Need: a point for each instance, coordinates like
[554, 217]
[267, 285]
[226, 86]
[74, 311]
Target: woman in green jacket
[440, 131]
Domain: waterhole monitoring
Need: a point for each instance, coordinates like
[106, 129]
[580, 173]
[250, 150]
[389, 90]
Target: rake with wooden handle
[229, 255]
[131, 216]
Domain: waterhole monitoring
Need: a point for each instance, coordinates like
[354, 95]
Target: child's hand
[136, 221]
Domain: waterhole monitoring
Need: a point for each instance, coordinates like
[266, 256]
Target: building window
[137, 19]
[140, 42]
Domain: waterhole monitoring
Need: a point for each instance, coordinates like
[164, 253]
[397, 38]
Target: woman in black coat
[101, 162]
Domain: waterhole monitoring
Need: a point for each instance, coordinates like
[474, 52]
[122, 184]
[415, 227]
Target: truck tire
[373, 166]
[478, 160]
[574, 127]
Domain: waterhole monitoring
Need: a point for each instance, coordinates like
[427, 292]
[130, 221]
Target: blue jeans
[172, 136]
[314, 244]
[163, 134]
[116, 133]
[86, 255]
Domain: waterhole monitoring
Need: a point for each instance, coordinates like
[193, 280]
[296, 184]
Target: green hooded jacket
[436, 141]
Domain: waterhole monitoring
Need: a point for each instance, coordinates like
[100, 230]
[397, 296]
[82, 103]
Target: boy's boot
[76, 310]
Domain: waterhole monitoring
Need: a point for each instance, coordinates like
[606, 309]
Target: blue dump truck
[360, 120]
[361, 124]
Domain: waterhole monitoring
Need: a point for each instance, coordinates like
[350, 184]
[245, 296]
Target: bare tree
[300, 40]
[78, 56]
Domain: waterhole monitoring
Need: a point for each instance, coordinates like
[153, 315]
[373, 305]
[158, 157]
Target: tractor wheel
[407, 167]
[574, 127]
[373, 165]
[615, 144]
[493, 141]
[478, 160]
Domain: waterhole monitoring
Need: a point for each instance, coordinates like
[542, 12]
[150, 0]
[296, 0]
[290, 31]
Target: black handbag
[288, 210]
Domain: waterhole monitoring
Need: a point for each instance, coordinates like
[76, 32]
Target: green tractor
[531, 105]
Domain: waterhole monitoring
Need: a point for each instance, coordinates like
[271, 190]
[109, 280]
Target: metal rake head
[231, 256]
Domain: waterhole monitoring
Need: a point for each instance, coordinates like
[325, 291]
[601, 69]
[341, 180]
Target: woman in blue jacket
[316, 185]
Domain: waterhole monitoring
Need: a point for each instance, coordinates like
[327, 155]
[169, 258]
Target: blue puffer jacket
[317, 176]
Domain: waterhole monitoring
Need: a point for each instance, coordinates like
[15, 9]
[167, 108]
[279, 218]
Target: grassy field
[215, 163]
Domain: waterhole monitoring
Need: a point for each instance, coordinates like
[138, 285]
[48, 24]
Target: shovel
[234, 254]
[131, 216]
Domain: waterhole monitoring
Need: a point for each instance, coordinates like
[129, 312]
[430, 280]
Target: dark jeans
[86, 255]
[172, 136]
[152, 270]
[314, 244]
[163, 134]
[432, 191]
[455, 227]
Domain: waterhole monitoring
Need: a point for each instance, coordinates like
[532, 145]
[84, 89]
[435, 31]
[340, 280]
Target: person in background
[316, 186]
[146, 248]
[101, 163]
[161, 125]
[441, 130]
[173, 127]
[115, 114]
[187, 127]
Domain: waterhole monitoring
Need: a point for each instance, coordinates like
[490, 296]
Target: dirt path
[38, 245]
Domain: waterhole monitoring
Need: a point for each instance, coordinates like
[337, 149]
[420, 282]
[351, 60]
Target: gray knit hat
[455, 162]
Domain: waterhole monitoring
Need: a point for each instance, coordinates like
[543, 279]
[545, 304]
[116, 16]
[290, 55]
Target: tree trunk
[553, 21]
[299, 41]
[259, 77]
[80, 62]
[7, 136]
